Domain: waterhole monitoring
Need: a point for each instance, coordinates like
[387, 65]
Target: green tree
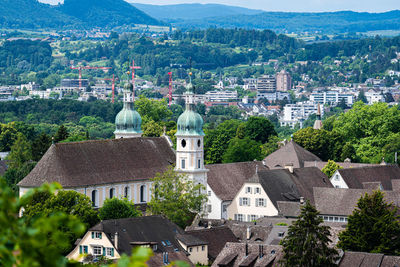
[240, 150]
[271, 146]
[373, 227]
[61, 134]
[39, 146]
[330, 168]
[176, 197]
[20, 152]
[152, 129]
[8, 135]
[114, 208]
[68, 202]
[259, 129]
[307, 241]
[361, 97]
[156, 110]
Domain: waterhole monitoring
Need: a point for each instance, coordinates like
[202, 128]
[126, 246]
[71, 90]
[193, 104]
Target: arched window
[126, 192]
[143, 193]
[112, 192]
[95, 200]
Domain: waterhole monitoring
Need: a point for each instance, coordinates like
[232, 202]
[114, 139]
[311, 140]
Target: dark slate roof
[234, 255]
[342, 201]
[99, 162]
[157, 259]
[363, 259]
[289, 208]
[355, 177]
[191, 240]
[290, 154]
[146, 229]
[226, 179]
[282, 185]
[216, 237]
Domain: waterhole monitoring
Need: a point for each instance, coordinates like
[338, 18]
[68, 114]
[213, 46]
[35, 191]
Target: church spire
[318, 121]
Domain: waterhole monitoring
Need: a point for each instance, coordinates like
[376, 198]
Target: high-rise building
[283, 81]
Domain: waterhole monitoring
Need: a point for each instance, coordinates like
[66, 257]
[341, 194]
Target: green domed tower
[128, 121]
[189, 141]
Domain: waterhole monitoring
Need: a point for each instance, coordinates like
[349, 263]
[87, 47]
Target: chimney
[116, 240]
[301, 200]
[289, 166]
[260, 251]
[248, 232]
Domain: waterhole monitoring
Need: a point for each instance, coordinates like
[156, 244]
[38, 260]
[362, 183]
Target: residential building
[332, 98]
[283, 81]
[266, 84]
[273, 96]
[378, 177]
[250, 84]
[74, 83]
[112, 238]
[297, 113]
[291, 155]
[31, 86]
[221, 96]
[373, 97]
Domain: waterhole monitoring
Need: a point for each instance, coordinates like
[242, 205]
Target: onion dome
[128, 120]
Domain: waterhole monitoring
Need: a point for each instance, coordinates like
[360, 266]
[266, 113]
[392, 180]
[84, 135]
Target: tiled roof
[226, 179]
[292, 154]
[355, 177]
[344, 165]
[99, 162]
[363, 259]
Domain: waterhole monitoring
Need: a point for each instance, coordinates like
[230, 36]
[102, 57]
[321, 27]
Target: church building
[122, 167]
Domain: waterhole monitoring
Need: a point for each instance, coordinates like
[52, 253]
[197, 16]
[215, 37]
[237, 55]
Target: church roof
[79, 164]
[290, 154]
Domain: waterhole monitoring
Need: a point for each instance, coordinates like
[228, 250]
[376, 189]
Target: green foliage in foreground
[176, 197]
[373, 227]
[307, 242]
[330, 168]
[115, 208]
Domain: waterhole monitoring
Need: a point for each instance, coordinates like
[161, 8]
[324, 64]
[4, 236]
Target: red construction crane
[113, 86]
[133, 68]
[170, 88]
[80, 68]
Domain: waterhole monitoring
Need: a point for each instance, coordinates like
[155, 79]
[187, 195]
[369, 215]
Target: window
[143, 193]
[112, 192]
[251, 218]
[198, 143]
[96, 250]
[239, 217]
[281, 234]
[336, 186]
[248, 190]
[209, 193]
[258, 190]
[183, 143]
[109, 252]
[209, 208]
[183, 164]
[261, 202]
[126, 192]
[244, 201]
[190, 249]
[199, 164]
[341, 219]
[337, 177]
[95, 198]
[203, 248]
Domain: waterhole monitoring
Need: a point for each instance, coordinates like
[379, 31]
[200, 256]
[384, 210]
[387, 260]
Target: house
[112, 238]
[380, 176]
[259, 196]
[337, 204]
[290, 155]
[196, 247]
[216, 238]
[244, 254]
[223, 183]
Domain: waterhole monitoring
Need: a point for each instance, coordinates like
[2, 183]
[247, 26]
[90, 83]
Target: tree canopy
[115, 208]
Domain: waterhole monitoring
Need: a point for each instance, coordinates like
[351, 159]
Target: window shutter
[100, 235]
[240, 201]
[265, 202]
[92, 235]
[248, 201]
[80, 249]
[85, 249]
[104, 251]
[256, 202]
[112, 252]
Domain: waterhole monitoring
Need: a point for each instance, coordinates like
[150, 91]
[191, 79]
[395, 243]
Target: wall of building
[198, 254]
[90, 242]
[251, 209]
[215, 203]
[337, 181]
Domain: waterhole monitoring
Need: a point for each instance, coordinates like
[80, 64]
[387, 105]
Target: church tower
[189, 141]
[128, 121]
[318, 121]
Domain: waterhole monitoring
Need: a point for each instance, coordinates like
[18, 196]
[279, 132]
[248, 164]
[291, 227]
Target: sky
[287, 5]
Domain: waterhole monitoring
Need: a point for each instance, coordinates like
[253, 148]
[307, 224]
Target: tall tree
[373, 227]
[61, 134]
[307, 242]
[176, 197]
[259, 129]
[40, 146]
[240, 150]
[20, 152]
[115, 208]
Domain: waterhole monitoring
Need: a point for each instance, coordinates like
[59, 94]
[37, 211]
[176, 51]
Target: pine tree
[307, 242]
[373, 227]
[40, 146]
[61, 134]
[20, 152]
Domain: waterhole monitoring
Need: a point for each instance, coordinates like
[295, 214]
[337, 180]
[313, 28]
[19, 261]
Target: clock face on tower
[183, 143]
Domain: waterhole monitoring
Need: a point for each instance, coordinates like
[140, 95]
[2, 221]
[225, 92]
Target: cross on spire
[133, 68]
